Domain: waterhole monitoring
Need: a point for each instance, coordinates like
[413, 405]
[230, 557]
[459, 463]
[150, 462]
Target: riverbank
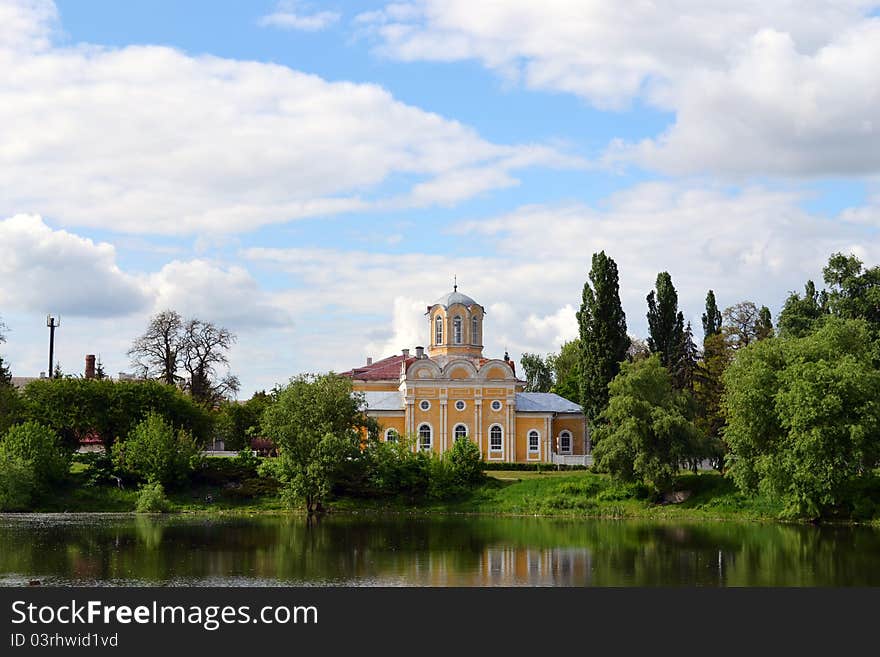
[704, 496]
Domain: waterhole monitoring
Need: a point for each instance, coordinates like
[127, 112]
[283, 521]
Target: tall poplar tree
[711, 318]
[764, 326]
[665, 321]
[603, 337]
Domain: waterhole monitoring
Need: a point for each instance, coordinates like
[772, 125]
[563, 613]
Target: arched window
[565, 442]
[534, 441]
[496, 436]
[475, 331]
[460, 431]
[456, 329]
[425, 437]
[391, 435]
[438, 330]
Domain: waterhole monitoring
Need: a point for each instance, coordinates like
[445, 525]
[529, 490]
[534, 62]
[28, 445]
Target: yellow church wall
[396, 423]
[573, 424]
[524, 424]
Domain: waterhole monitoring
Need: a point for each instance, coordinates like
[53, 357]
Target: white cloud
[45, 270]
[287, 16]
[760, 87]
[148, 139]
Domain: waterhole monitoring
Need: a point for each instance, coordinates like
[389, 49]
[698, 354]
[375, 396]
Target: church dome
[453, 298]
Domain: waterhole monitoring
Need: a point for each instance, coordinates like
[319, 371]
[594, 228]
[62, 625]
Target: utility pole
[53, 323]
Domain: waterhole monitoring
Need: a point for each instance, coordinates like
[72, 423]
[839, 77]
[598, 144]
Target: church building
[453, 392]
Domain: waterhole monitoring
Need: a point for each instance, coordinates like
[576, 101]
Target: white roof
[383, 401]
[545, 402]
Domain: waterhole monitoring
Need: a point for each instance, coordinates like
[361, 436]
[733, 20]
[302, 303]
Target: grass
[578, 493]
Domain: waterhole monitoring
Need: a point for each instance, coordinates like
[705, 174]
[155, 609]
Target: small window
[425, 405]
[496, 434]
[425, 437]
[460, 405]
[456, 329]
[438, 330]
[534, 441]
[565, 442]
[496, 405]
[460, 431]
[475, 331]
[391, 436]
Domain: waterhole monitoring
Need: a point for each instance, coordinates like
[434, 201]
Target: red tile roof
[382, 370]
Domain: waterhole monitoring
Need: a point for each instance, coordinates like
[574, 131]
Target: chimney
[369, 360]
[420, 352]
[406, 353]
[90, 366]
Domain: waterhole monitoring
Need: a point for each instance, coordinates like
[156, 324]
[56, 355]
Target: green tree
[854, 292]
[708, 391]
[11, 407]
[466, 462]
[566, 367]
[156, 452]
[711, 318]
[38, 446]
[803, 418]
[684, 368]
[18, 484]
[539, 376]
[603, 337]
[665, 321]
[646, 433]
[801, 315]
[5, 373]
[318, 424]
[238, 423]
[764, 325]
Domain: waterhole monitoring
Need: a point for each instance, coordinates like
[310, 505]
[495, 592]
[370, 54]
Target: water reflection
[453, 551]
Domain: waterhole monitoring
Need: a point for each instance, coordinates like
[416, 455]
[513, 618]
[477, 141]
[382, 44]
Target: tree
[708, 390]
[239, 423]
[157, 352]
[566, 368]
[764, 325]
[39, 447]
[741, 324]
[665, 321]
[100, 374]
[711, 318]
[854, 292]
[539, 376]
[156, 452]
[318, 423]
[801, 315]
[5, 373]
[204, 350]
[683, 368]
[603, 337]
[803, 419]
[638, 349]
[645, 434]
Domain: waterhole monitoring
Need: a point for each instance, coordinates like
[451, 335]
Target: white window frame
[497, 405]
[565, 434]
[425, 405]
[438, 330]
[529, 435]
[389, 432]
[430, 445]
[457, 329]
[460, 405]
[460, 425]
[500, 447]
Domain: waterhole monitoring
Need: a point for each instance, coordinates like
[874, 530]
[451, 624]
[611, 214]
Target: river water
[361, 550]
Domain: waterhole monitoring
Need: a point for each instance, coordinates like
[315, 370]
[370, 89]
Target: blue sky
[312, 174]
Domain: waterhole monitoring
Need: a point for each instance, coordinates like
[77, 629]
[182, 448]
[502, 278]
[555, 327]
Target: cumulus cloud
[288, 16]
[148, 139]
[531, 275]
[45, 270]
[780, 88]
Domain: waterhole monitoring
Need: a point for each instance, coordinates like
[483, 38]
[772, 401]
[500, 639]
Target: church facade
[451, 391]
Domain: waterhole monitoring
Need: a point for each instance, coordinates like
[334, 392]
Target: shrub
[151, 499]
[157, 453]
[467, 464]
[17, 484]
[40, 447]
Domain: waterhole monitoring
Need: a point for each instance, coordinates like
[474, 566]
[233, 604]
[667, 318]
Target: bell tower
[456, 327]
